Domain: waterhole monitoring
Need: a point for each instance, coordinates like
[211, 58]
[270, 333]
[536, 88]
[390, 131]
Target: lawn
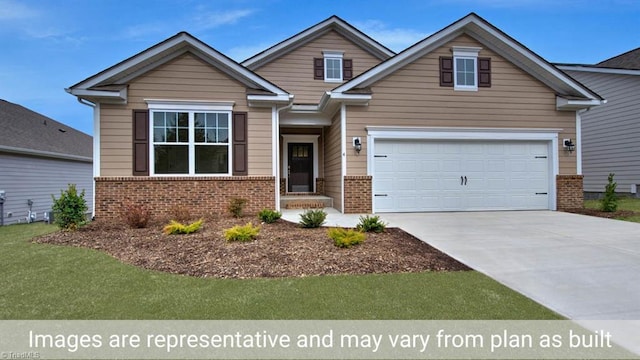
[625, 204]
[40, 281]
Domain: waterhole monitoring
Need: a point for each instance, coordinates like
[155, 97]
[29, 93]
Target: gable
[294, 71]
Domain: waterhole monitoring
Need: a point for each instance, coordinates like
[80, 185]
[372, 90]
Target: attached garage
[417, 175]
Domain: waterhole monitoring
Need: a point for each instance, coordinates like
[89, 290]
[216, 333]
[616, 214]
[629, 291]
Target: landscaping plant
[246, 232]
[236, 206]
[269, 216]
[371, 223]
[312, 218]
[136, 216]
[69, 210]
[345, 238]
[609, 202]
[175, 227]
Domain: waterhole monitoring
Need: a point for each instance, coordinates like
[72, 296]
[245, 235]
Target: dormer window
[332, 67]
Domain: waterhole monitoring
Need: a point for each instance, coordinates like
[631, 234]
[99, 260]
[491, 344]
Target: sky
[49, 45]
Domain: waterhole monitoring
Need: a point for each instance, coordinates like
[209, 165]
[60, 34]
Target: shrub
[236, 206]
[246, 232]
[175, 227]
[346, 238]
[181, 213]
[69, 210]
[609, 203]
[136, 216]
[312, 218]
[371, 223]
[269, 216]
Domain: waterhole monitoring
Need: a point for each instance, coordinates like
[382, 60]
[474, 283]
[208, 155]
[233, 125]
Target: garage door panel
[428, 175]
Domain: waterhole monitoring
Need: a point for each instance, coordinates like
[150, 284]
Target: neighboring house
[39, 157]
[466, 119]
[611, 132]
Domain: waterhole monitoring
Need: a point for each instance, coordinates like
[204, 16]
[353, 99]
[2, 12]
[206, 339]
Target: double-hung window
[333, 66]
[190, 142]
[465, 68]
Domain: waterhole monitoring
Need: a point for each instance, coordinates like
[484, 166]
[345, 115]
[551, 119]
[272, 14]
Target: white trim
[109, 96]
[375, 133]
[459, 87]
[313, 139]
[587, 68]
[275, 150]
[343, 151]
[333, 55]
[185, 105]
[573, 105]
[579, 141]
[96, 152]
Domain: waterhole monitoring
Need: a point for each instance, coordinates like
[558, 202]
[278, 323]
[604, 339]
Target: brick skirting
[570, 192]
[357, 195]
[204, 195]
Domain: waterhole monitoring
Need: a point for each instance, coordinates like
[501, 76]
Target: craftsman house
[466, 119]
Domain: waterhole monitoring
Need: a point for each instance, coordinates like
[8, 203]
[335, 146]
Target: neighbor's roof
[629, 60]
[27, 132]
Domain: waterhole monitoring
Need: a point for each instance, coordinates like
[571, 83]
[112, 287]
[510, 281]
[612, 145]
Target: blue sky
[47, 46]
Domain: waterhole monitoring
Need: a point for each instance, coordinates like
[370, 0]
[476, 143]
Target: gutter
[49, 154]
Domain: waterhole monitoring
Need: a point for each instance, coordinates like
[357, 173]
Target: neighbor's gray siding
[37, 178]
[611, 132]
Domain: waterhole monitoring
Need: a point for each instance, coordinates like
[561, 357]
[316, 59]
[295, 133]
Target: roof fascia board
[48, 154]
[564, 104]
[595, 69]
[117, 96]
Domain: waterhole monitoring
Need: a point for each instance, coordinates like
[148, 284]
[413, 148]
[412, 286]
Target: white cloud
[11, 10]
[241, 53]
[210, 20]
[397, 39]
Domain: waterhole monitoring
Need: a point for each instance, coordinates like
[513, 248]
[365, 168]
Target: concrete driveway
[579, 266]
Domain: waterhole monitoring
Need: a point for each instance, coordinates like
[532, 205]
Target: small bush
[136, 216]
[312, 218]
[371, 223]
[69, 210]
[180, 213]
[236, 206]
[609, 203]
[269, 216]
[175, 227]
[346, 238]
[247, 232]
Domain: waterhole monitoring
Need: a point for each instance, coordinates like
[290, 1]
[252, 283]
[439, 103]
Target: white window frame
[465, 53]
[333, 55]
[190, 107]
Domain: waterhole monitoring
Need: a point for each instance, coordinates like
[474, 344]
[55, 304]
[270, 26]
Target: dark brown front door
[300, 167]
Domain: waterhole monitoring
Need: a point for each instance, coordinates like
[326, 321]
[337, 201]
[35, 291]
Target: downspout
[96, 148]
[276, 147]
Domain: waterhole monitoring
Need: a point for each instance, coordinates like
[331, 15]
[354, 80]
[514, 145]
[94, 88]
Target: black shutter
[140, 142]
[446, 71]
[318, 68]
[347, 69]
[240, 154]
[484, 72]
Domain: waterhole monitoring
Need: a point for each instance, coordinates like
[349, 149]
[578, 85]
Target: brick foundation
[319, 186]
[204, 195]
[570, 192]
[357, 195]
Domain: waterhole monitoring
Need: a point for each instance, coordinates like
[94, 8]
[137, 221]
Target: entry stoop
[305, 202]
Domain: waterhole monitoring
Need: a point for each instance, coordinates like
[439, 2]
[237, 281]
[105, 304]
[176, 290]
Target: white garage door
[433, 175]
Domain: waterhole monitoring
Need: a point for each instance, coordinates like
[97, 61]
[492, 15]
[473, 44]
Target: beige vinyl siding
[412, 96]
[293, 72]
[333, 163]
[184, 78]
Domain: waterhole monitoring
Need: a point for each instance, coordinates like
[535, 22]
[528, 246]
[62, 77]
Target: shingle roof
[23, 129]
[629, 60]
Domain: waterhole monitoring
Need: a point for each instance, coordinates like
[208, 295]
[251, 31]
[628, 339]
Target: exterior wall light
[357, 144]
[569, 145]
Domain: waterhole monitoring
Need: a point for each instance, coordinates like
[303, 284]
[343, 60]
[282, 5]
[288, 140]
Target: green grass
[56, 282]
[630, 204]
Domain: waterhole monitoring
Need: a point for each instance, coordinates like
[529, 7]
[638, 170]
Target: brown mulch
[282, 249]
[619, 214]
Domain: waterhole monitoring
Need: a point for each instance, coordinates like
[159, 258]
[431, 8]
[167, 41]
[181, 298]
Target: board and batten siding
[35, 178]
[184, 78]
[333, 162]
[294, 70]
[611, 132]
[412, 96]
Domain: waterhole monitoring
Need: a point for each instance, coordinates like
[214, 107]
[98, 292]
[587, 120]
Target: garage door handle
[381, 195]
[542, 194]
[461, 180]
[465, 181]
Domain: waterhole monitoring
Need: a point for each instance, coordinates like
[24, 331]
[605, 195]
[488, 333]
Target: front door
[300, 167]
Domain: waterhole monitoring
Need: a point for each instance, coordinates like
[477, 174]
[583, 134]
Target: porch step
[305, 202]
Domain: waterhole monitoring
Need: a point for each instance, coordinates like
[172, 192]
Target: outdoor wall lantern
[357, 144]
[569, 145]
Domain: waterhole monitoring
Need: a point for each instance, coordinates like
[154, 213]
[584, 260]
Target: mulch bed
[619, 214]
[282, 249]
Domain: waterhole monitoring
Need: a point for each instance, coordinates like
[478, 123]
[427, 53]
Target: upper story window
[332, 67]
[191, 142]
[465, 71]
